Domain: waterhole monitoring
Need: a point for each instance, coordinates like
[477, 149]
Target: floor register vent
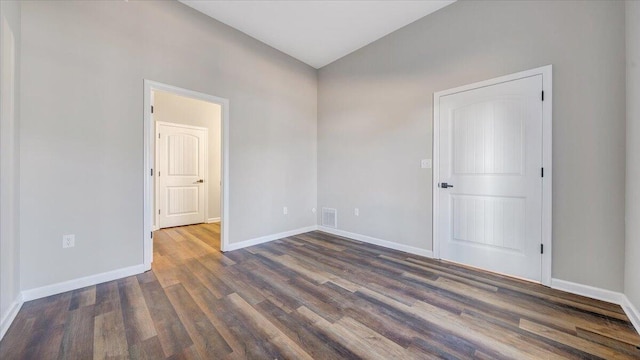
[330, 218]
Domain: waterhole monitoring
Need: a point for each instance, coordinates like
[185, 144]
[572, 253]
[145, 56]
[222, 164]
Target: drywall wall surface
[82, 128]
[9, 160]
[632, 253]
[178, 109]
[375, 122]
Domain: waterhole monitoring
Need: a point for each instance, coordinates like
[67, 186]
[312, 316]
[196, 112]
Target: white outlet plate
[356, 212]
[285, 210]
[425, 163]
[313, 210]
[68, 241]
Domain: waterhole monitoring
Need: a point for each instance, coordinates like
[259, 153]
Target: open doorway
[186, 162]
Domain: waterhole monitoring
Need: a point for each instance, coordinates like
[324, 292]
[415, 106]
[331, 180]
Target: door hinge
[158, 211]
[158, 173]
[541, 172]
[158, 135]
[151, 172]
[541, 248]
[542, 95]
[152, 234]
[152, 109]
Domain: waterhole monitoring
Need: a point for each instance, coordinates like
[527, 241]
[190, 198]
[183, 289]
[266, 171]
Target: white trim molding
[587, 290]
[53, 289]
[601, 294]
[149, 156]
[547, 119]
[632, 312]
[213, 220]
[379, 242]
[267, 238]
[346, 234]
[7, 320]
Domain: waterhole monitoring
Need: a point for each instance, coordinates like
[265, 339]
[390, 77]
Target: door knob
[445, 185]
[199, 181]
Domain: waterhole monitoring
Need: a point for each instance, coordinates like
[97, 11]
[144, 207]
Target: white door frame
[149, 158]
[156, 182]
[547, 105]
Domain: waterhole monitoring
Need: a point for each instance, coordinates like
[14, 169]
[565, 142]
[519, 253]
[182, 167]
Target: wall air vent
[330, 218]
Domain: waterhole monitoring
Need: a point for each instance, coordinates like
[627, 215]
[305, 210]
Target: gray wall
[9, 158]
[632, 253]
[375, 122]
[82, 143]
[177, 109]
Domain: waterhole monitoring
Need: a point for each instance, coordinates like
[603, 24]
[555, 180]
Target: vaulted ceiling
[317, 32]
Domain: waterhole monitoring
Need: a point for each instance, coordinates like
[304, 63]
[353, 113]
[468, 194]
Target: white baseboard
[53, 289]
[10, 316]
[379, 242]
[267, 238]
[213, 220]
[601, 294]
[632, 312]
[588, 291]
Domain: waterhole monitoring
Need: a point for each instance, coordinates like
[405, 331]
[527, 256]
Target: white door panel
[491, 152]
[181, 173]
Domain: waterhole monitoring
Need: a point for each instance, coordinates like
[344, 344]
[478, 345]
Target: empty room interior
[319, 179]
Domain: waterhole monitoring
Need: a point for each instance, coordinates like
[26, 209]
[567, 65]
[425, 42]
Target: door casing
[547, 105]
[149, 160]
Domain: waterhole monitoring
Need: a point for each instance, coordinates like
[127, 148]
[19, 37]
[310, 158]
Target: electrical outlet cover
[68, 241]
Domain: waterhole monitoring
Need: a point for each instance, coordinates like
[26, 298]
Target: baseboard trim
[53, 289]
[7, 320]
[632, 312]
[601, 294]
[267, 238]
[588, 291]
[213, 220]
[379, 242]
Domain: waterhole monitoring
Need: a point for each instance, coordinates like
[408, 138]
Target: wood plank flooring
[313, 296]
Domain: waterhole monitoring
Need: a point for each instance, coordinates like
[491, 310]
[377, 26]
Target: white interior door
[181, 174]
[490, 184]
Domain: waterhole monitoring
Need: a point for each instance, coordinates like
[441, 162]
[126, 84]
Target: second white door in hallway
[181, 153]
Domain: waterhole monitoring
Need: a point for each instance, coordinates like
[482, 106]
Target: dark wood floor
[313, 296]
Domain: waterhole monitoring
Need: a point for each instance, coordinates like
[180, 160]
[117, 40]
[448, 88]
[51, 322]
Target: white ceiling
[317, 32]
